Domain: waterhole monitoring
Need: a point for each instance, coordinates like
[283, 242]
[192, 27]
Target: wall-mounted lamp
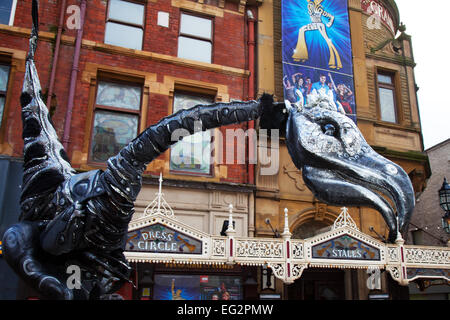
[275, 231]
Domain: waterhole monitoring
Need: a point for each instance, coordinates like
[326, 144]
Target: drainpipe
[56, 54]
[73, 76]
[251, 89]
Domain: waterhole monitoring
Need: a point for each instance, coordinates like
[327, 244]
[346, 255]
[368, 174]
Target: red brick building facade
[155, 68]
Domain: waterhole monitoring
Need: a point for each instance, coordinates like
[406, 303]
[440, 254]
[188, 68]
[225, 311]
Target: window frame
[12, 13]
[5, 93]
[186, 35]
[196, 92]
[393, 86]
[98, 107]
[128, 24]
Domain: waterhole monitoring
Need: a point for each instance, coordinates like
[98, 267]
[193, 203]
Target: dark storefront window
[197, 287]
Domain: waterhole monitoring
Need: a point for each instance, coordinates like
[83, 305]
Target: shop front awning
[158, 237]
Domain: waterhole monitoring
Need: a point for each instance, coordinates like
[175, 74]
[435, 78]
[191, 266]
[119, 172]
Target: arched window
[309, 229]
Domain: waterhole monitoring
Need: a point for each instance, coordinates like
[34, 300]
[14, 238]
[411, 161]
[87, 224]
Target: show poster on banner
[317, 53]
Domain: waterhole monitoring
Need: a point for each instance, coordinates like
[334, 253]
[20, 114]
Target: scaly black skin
[82, 219]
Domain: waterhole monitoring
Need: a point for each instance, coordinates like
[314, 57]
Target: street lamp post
[444, 201]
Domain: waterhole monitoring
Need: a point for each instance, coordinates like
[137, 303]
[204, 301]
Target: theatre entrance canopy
[158, 237]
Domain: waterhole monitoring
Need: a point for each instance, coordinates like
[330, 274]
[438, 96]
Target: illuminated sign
[158, 238]
[345, 248]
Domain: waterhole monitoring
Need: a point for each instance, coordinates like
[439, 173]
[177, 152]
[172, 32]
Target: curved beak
[385, 178]
[364, 179]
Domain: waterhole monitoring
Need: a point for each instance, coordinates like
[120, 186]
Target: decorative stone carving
[218, 247]
[297, 250]
[428, 256]
[292, 172]
[297, 270]
[278, 270]
[257, 248]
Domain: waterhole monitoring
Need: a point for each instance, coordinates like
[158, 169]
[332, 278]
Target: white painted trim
[289, 257]
[12, 13]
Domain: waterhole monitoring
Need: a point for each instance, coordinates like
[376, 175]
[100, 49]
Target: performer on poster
[316, 12]
[321, 88]
[345, 97]
[176, 295]
[289, 90]
[299, 90]
[336, 96]
[308, 85]
[225, 294]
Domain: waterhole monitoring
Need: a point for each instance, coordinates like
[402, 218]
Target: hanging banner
[317, 53]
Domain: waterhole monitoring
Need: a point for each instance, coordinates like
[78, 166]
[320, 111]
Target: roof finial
[230, 219]
[160, 191]
[344, 220]
[159, 204]
[286, 233]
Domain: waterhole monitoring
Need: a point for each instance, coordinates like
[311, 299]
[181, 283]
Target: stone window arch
[312, 221]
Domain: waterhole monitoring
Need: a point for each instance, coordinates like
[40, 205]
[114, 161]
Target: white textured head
[322, 100]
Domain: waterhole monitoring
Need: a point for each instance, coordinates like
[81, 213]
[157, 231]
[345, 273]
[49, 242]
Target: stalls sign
[345, 248]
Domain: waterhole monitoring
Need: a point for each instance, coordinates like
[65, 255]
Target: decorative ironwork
[267, 249]
[278, 270]
[394, 271]
[159, 205]
[428, 256]
[344, 220]
[218, 247]
[289, 258]
[297, 250]
[392, 254]
[297, 270]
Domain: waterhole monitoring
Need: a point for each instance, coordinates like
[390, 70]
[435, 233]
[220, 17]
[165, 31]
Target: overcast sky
[427, 24]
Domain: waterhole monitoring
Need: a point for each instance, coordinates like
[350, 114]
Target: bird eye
[329, 129]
